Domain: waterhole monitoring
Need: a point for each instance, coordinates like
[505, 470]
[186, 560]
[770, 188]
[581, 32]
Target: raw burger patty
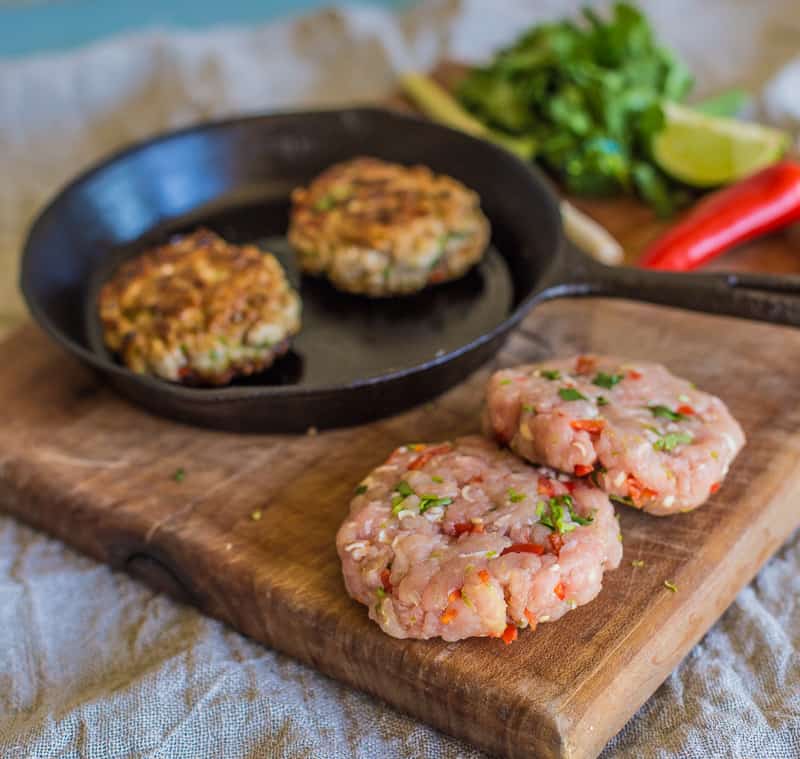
[463, 539]
[648, 438]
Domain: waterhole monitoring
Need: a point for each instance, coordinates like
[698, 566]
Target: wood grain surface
[248, 534]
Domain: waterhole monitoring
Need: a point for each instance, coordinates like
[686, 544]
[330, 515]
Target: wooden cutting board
[248, 534]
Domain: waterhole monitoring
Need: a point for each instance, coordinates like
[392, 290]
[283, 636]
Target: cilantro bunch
[588, 97]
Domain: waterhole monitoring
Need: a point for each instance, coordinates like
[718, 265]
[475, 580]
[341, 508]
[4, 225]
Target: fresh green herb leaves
[528, 408]
[625, 500]
[666, 413]
[602, 400]
[404, 490]
[361, 489]
[606, 380]
[179, 475]
[325, 203]
[553, 514]
[431, 501]
[550, 374]
[437, 479]
[515, 496]
[726, 104]
[571, 394]
[589, 98]
[596, 472]
[672, 440]
[505, 381]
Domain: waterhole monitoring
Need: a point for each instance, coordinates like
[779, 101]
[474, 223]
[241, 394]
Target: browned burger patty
[199, 310]
[381, 229]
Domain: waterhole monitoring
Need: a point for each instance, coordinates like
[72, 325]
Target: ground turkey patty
[199, 310]
[652, 440]
[380, 229]
[463, 539]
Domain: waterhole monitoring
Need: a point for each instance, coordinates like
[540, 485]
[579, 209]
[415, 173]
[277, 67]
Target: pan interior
[345, 338]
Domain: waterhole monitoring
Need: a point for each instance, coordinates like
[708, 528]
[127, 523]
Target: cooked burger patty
[650, 439]
[463, 539]
[199, 310]
[380, 229]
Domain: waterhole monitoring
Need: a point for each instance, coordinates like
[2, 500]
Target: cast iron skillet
[356, 359]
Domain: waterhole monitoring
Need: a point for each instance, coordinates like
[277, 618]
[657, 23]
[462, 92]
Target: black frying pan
[356, 359]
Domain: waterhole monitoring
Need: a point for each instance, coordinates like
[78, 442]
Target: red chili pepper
[758, 204]
[454, 596]
[448, 616]
[471, 527]
[715, 487]
[509, 635]
[484, 576]
[560, 591]
[545, 487]
[385, 581]
[592, 426]
[639, 492]
[531, 617]
[585, 365]
[424, 458]
[581, 470]
[524, 548]
[556, 542]
[634, 375]
[685, 410]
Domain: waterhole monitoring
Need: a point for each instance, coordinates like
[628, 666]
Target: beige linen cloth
[93, 664]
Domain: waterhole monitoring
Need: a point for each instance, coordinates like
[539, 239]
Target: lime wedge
[704, 151]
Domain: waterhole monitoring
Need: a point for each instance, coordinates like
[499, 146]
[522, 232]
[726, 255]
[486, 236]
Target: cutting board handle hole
[158, 576]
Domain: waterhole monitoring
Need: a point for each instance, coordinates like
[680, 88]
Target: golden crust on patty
[199, 310]
[380, 228]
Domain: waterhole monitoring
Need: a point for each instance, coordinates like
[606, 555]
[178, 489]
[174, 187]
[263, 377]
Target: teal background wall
[30, 26]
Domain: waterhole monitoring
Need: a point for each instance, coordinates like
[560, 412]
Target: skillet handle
[750, 296]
